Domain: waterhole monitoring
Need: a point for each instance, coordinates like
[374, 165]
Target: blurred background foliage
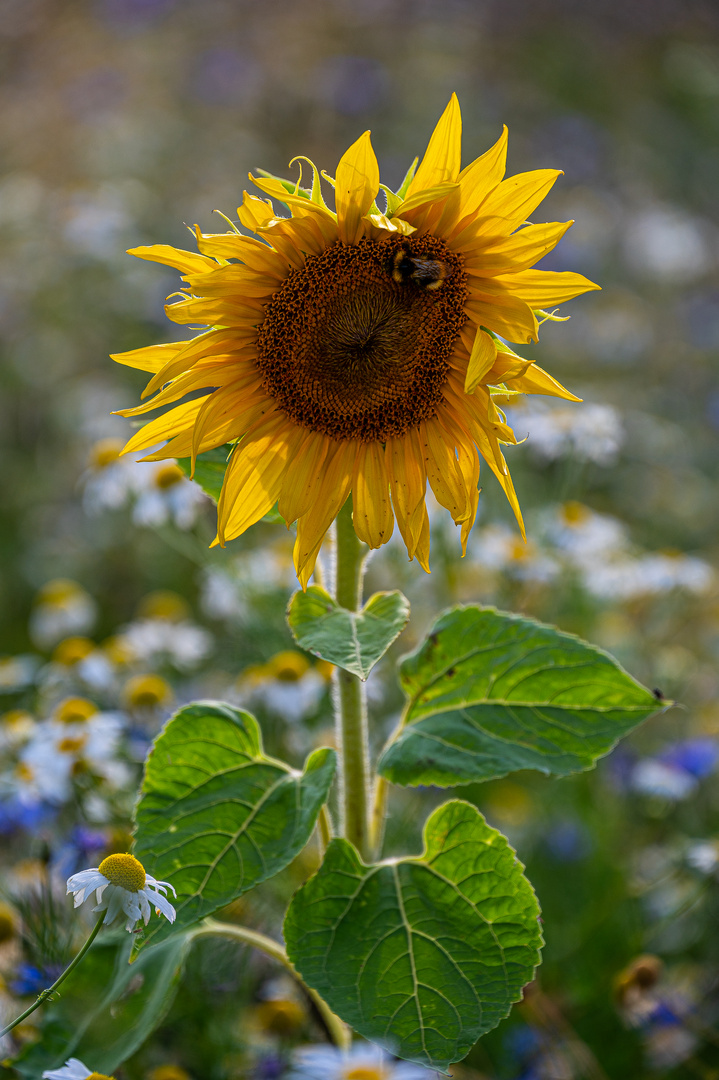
[122, 121]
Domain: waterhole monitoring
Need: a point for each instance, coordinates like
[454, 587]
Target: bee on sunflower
[358, 351]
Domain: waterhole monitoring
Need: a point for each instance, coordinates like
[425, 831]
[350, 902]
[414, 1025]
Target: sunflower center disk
[356, 345]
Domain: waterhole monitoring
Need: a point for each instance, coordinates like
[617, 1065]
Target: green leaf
[490, 693]
[107, 1007]
[209, 469]
[353, 640]
[421, 955]
[216, 816]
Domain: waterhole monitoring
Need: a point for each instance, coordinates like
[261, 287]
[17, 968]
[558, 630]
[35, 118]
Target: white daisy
[364, 1061]
[121, 885]
[164, 494]
[74, 1070]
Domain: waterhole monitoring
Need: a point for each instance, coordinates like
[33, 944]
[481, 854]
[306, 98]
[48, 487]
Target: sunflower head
[359, 351]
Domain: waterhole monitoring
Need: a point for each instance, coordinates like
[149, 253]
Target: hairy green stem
[352, 705]
[45, 995]
[340, 1033]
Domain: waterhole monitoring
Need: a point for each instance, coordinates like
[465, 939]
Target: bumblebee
[408, 269]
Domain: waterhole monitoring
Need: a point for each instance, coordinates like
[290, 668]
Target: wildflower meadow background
[124, 120]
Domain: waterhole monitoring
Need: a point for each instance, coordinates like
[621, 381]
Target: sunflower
[357, 351]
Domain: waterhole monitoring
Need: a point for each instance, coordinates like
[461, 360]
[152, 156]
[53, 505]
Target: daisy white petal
[162, 903]
[73, 1069]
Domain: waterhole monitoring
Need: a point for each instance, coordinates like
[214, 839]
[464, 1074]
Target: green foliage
[119, 1005]
[490, 693]
[422, 955]
[216, 815]
[354, 641]
[209, 469]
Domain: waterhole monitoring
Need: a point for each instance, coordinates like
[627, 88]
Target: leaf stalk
[340, 1033]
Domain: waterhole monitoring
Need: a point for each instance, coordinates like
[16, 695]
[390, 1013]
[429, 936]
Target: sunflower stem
[46, 995]
[352, 736]
[341, 1035]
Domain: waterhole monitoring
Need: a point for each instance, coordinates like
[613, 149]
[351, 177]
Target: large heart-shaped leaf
[490, 693]
[421, 955]
[353, 640]
[216, 816]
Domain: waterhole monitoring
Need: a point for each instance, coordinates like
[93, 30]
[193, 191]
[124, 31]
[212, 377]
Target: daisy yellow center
[123, 870]
[146, 691]
[348, 350]
[75, 711]
[72, 650]
[105, 452]
[99, 1076]
[169, 1072]
[168, 476]
[365, 1072]
[288, 666]
[72, 744]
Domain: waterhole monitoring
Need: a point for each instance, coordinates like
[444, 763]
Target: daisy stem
[351, 703]
[341, 1034]
[45, 995]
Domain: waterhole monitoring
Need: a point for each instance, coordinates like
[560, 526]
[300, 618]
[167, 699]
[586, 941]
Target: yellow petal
[507, 366]
[512, 201]
[236, 407]
[468, 461]
[211, 343]
[151, 357]
[332, 494]
[165, 426]
[253, 478]
[481, 360]
[207, 376]
[356, 187]
[253, 253]
[483, 175]
[420, 541]
[371, 509]
[299, 489]
[490, 451]
[189, 262]
[298, 204]
[506, 254]
[540, 288]
[225, 416]
[254, 212]
[442, 159]
[506, 315]
[215, 312]
[404, 465]
[425, 198]
[443, 471]
[234, 281]
[537, 381]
